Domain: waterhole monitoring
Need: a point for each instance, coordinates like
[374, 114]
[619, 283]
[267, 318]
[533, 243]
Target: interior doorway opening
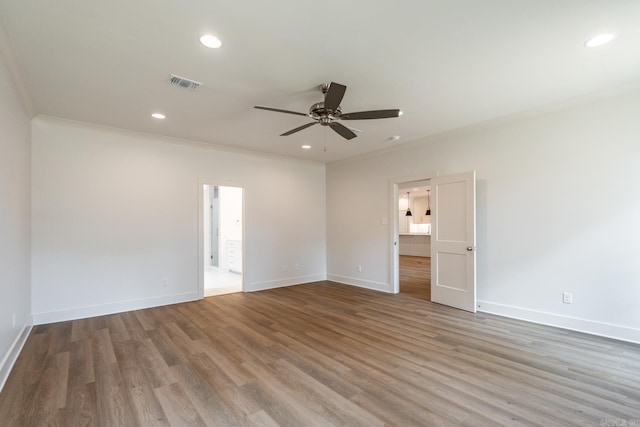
[414, 239]
[452, 238]
[223, 237]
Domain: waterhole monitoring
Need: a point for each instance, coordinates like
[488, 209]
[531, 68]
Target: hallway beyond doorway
[223, 232]
[221, 282]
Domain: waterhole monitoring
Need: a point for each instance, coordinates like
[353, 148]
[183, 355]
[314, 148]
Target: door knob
[470, 248]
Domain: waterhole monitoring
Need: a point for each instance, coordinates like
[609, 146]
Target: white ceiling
[445, 63]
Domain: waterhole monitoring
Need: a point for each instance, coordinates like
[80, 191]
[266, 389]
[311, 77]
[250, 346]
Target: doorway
[223, 231]
[452, 238]
[414, 239]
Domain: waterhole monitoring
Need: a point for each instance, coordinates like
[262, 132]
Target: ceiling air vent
[184, 82]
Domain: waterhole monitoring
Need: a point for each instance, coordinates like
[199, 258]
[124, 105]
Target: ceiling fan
[328, 112]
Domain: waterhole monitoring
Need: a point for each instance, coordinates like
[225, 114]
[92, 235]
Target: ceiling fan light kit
[328, 112]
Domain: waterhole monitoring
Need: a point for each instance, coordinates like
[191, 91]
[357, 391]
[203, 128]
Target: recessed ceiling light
[306, 147]
[158, 116]
[395, 138]
[599, 40]
[210, 41]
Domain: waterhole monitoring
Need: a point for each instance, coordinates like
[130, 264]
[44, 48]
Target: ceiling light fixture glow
[210, 41]
[158, 116]
[306, 147]
[599, 40]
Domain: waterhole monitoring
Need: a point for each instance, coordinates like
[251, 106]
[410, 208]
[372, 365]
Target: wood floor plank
[81, 407]
[114, 405]
[226, 361]
[139, 385]
[262, 419]
[178, 407]
[81, 392]
[171, 354]
[149, 360]
[133, 325]
[207, 402]
[343, 411]
[103, 348]
[117, 328]
[235, 397]
[324, 369]
[319, 354]
[52, 392]
[285, 405]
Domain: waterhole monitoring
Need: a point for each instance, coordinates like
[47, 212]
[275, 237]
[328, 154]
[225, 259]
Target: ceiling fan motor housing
[318, 112]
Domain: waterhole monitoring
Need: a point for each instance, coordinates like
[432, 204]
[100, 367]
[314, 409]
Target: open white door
[453, 241]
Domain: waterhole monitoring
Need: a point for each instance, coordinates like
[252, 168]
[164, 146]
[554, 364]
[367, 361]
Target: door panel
[451, 201]
[453, 270]
[453, 241]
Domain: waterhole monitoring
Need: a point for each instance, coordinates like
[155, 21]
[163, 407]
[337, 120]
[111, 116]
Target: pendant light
[428, 203]
[408, 206]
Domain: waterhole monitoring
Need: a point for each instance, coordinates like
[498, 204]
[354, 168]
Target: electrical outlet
[165, 283]
[13, 321]
[359, 268]
[284, 268]
[567, 297]
[296, 267]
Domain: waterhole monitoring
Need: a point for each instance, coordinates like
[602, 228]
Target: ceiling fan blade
[342, 130]
[334, 95]
[376, 114]
[277, 110]
[299, 128]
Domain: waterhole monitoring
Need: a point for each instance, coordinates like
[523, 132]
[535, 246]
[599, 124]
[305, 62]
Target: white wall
[15, 223]
[115, 212]
[558, 198]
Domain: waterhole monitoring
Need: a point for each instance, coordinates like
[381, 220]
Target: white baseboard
[281, 283]
[111, 308]
[360, 283]
[12, 355]
[623, 333]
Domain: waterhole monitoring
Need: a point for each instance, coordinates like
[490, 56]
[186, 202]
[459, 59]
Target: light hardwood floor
[317, 355]
[415, 276]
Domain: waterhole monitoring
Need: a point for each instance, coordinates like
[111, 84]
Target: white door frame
[220, 183]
